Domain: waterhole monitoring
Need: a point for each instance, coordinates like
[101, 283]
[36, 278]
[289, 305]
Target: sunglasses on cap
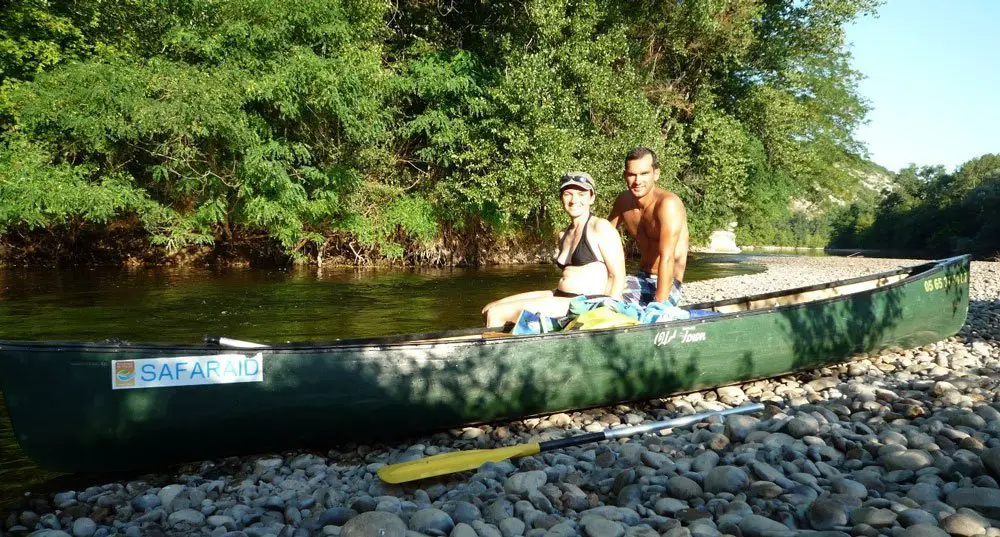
[579, 179]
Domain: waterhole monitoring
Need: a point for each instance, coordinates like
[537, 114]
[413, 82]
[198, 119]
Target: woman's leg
[549, 306]
[513, 299]
[519, 297]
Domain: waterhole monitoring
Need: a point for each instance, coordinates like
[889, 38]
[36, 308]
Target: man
[658, 222]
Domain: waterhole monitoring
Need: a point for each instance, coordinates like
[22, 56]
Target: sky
[932, 79]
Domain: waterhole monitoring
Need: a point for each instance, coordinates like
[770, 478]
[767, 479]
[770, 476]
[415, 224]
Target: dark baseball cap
[577, 179]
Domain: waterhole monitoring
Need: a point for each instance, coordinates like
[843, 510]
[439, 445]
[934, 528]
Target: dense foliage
[418, 130]
[929, 210]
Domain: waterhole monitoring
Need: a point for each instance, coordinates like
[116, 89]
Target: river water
[182, 305]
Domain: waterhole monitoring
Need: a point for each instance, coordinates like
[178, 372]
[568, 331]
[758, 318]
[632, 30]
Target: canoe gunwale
[426, 340]
[916, 269]
[923, 270]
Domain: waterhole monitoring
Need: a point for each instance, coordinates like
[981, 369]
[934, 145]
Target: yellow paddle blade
[449, 463]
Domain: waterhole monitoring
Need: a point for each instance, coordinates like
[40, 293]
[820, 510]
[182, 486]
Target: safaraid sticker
[186, 371]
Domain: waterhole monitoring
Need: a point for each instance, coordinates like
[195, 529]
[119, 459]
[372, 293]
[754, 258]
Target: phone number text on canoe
[943, 282]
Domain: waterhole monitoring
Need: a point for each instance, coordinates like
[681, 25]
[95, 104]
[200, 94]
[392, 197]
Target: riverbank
[131, 248]
[897, 444]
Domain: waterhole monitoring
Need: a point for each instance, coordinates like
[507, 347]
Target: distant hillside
[876, 178]
[872, 181]
[928, 210]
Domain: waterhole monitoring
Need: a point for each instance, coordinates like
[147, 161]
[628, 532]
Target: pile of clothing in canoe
[603, 312]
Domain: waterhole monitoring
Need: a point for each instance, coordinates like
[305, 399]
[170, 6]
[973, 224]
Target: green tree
[256, 117]
[374, 130]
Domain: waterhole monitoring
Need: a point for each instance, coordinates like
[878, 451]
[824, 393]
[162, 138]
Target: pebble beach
[895, 444]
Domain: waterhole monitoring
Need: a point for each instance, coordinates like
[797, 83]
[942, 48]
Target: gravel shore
[895, 444]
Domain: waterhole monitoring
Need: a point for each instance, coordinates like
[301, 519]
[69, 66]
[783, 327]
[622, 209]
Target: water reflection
[182, 305]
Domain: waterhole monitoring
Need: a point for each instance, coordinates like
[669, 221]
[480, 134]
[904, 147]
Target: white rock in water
[723, 242]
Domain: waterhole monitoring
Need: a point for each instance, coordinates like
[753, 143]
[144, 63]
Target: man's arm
[671, 215]
[610, 244]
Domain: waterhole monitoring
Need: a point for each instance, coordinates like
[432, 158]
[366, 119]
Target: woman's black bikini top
[583, 254]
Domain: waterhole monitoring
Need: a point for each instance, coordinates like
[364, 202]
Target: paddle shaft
[236, 343]
[647, 428]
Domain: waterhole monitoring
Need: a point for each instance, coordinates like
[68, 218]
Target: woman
[590, 255]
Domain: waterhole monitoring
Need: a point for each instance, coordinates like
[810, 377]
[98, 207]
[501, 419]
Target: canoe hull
[67, 417]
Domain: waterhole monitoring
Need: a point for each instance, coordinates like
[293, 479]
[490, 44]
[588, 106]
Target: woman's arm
[555, 256]
[610, 244]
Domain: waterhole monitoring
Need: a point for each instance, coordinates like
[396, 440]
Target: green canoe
[113, 406]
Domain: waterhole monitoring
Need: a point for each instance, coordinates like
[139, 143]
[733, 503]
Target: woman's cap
[578, 179]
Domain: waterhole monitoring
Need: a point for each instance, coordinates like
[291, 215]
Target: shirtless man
[590, 256]
[658, 222]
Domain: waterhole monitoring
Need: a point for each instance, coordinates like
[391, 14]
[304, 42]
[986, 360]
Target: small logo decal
[124, 373]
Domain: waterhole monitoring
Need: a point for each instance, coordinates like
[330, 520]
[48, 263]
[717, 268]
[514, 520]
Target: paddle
[458, 461]
[236, 343]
